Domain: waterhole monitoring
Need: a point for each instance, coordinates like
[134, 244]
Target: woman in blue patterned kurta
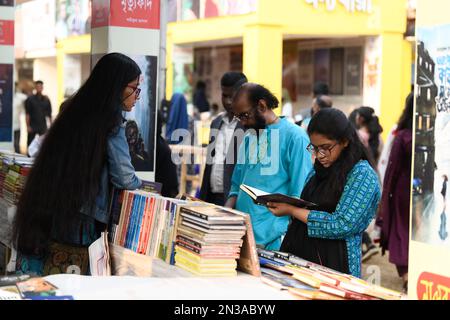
[346, 190]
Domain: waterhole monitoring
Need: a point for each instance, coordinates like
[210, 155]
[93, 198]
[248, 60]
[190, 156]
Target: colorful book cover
[126, 221]
[153, 187]
[138, 224]
[36, 287]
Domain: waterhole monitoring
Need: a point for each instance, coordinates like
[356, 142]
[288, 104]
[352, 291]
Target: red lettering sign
[433, 287]
[100, 13]
[135, 14]
[7, 32]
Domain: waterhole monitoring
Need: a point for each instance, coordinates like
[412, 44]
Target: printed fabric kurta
[275, 162]
[356, 208]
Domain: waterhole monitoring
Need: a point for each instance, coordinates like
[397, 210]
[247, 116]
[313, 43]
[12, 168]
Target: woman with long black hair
[345, 188]
[64, 205]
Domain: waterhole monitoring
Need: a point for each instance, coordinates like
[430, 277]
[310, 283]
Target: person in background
[393, 217]
[38, 112]
[272, 157]
[200, 100]
[369, 130]
[321, 102]
[330, 234]
[18, 109]
[178, 117]
[65, 200]
[214, 110]
[319, 89]
[223, 145]
[286, 103]
[166, 171]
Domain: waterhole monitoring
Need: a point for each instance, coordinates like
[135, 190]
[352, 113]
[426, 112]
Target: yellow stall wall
[262, 35]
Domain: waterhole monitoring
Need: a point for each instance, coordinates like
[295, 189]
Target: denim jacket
[118, 171]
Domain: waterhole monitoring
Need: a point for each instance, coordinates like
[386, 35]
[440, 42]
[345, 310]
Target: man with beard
[272, 158]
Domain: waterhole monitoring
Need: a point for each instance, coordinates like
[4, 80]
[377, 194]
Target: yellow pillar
[395, 78]
[169, 66]
[263, 57]
[72, 45]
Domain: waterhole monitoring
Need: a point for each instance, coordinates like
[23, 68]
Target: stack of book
[209, 239]
[307, 280]
[145, 223]
[14, 170]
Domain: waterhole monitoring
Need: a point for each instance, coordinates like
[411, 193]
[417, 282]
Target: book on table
[262, 198]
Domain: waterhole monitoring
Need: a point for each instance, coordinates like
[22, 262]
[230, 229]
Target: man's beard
[260, 122]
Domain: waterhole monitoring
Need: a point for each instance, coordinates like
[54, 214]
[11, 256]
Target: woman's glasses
[135, 89]
[323, 151]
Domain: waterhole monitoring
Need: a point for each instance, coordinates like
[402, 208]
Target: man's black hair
[39, 82]
[233, 79]
[256, 92]
[320, 88]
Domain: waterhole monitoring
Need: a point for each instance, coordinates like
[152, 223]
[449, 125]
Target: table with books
[164, 248]
[240, 287]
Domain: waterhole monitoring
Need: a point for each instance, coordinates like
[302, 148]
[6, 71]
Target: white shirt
[223, 141]
[18, 109]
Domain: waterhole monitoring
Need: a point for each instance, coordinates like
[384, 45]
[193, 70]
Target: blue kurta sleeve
[299, 164]
[356, 208]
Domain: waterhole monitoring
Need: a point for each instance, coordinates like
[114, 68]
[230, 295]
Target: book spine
[139, 223]
[158, 228]
[143, 232]
[126, 221]
[136, 225]
[266, 256]
[170, 232]
[151, 209]
[164, 231]
[154, 228]
[161, 227]
[131, 222]
[189, 241]
[188, 247]
[135, 222]
[194, 213]
[174, 235]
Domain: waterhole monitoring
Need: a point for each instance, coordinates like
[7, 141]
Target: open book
[262, 198]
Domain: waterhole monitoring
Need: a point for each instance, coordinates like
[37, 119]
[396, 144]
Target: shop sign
[433, 287]
[352, 6]
[7, 32]
[135, 14]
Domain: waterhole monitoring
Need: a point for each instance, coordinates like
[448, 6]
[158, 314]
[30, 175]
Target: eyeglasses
[243, 115]
[325, 152]
[135, 89]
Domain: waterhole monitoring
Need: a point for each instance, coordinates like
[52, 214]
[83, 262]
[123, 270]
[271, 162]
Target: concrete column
[133, 28]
